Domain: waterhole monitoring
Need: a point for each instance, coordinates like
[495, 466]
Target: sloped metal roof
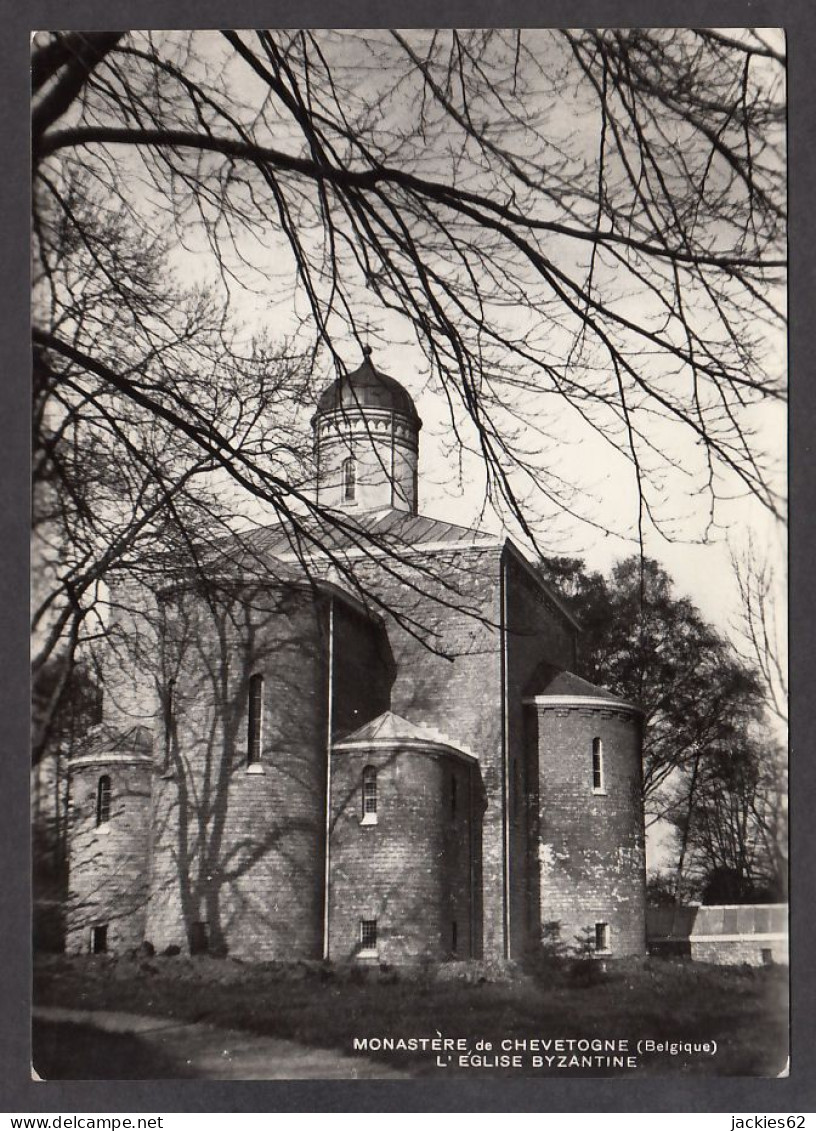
[343, 532]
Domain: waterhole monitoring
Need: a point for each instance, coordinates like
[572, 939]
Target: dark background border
[669, 1093]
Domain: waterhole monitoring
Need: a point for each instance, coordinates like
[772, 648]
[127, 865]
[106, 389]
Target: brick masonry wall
[132, 658]
[108, 873]
[591, 851]
[459, 691]
[412, 870]
[241, 853]
[363, 670]
[536, 632]
[236, 847]
[462, 695]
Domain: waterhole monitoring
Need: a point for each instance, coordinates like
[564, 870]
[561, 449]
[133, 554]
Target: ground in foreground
[739, 1011]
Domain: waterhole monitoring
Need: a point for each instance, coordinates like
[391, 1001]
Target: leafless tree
[759, 629]
[119, 491]
[626, 271]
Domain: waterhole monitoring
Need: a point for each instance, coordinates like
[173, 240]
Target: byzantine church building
[399, 766]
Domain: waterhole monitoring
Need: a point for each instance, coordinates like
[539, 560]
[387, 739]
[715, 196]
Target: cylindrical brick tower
[405, 846]
[239, 809]
[586, 745]
[110, 806]
[366, 435]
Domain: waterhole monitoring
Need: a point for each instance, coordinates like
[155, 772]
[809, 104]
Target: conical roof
[392, 729]
[550, 680]
[366, 387]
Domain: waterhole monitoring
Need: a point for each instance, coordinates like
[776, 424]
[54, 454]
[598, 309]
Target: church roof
[389, 726]
[393, 527]
[367, 387]
[390, 729]
[557, 682]
[387, 531]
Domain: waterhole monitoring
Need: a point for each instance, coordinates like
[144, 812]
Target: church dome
[366, 387]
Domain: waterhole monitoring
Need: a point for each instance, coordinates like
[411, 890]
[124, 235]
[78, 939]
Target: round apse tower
[587, 745]
[366, 436]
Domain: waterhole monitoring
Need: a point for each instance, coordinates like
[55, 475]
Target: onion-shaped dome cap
[366, 387]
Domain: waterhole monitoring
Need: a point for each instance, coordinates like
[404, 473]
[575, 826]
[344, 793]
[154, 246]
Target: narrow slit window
[103, 800]
[370, 795]
[368, 934]
[99, 939]
[454, 937]
[350, 480]
[597, 766]
[601, 936]
[255, 719]
[169, 719]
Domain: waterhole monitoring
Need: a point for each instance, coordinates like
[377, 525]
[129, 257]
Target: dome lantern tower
[366, 436]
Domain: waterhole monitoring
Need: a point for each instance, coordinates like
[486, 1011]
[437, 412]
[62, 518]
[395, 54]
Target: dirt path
[207, 1052]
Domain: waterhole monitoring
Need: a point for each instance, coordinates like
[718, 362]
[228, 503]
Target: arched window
[597, 766]
[103, 800]
[349, 480]
[369, 796]
[255, 720]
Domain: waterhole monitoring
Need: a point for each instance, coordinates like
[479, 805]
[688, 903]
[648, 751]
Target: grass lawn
[744, 1010]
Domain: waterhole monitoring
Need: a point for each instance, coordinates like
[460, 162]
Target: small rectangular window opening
[767, 956]
[454, 937]
[368, 934]
[597, 766]
[601, 936]
[99, 939]
[255, 720]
